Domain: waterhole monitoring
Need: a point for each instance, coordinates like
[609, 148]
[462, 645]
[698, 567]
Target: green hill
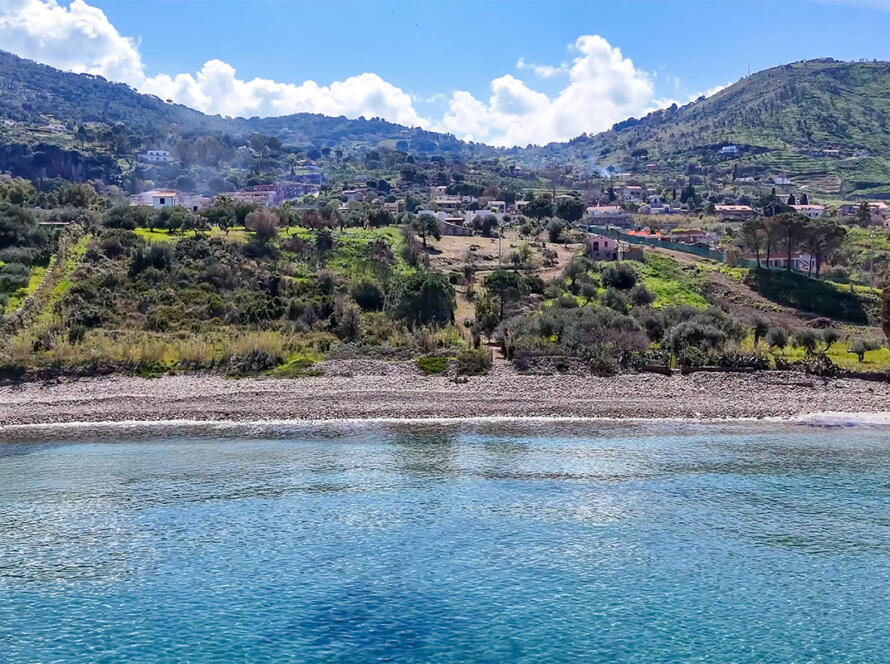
[34, 97]
[781, 120]
[823, 123]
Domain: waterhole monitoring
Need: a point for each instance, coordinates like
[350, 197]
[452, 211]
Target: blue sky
[450, 66]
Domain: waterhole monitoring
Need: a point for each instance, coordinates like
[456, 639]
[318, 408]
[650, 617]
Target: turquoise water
[494, 542]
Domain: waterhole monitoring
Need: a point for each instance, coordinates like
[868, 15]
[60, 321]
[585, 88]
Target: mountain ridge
[782, 120]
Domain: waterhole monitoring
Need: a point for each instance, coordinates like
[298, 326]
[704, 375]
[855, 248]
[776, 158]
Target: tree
[264, 223]
[885, 312]
[804, 200]
[379, 217]
[571, 210]
[760, 328]
[860, 347]
[863, 215]
[807, 340]
[793, 227]
[504, 285]
[539, 208]
[424, 225]
[753, 235]
[554, 230]
[822, 239]
[791, 200]
[421, 298]
[77, 194]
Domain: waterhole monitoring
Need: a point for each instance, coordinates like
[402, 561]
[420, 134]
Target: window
[163, 201]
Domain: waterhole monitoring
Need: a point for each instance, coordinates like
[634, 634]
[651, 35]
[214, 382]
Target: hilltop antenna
[749, 69]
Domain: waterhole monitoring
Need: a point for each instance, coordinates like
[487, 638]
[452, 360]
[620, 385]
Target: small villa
[602, 248]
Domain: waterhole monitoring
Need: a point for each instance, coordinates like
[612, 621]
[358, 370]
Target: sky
[499, 71]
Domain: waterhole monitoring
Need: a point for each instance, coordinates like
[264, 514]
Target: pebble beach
[364, 390]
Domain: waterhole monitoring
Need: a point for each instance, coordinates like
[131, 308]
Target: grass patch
[18, 297]
[431, 365]
[671, 282]
[823, 298]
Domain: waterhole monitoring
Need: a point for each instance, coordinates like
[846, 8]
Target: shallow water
[486, 542]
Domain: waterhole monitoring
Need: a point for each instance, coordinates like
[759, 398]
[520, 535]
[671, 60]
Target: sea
[501, 540]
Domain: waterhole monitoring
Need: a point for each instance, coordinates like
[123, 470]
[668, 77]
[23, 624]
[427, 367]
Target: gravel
[369, 390]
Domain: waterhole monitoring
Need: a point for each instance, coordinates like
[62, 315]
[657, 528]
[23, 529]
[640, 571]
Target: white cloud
[601, 86]
[544, 71]
[217, 89]
[78, 38]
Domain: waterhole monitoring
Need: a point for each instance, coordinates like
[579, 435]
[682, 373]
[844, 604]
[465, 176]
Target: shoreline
[398, 395]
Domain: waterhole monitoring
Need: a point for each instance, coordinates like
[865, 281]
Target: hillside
[33, 96]
[781, 121]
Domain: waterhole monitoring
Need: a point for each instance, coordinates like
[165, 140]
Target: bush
[421, 298]
[740, 361]
[349, 323]
[613, 299]
[777, 338]
[555, 230]
[619, 275]
[473, 362]
[14, 276]
[431, 365]
[367, 295]
[641, 296]
[602, 361]
[860, 347]
[694, 335]
[807, 340]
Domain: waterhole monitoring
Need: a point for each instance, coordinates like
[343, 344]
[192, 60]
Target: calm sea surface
[494, 542]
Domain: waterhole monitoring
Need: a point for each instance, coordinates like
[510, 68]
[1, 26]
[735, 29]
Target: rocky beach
[362, 390]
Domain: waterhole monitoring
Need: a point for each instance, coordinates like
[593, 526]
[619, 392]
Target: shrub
[421, 298]
[613, 299]
[473, 362]
[325, 282]
[807, 340]
[619, 275]
[431, 365]
[694, 335]
[367, 295]
[14, 276]
[349, 323]
[555, 230]
[601, 361]
[830, 337]
[860, 347]
[777, 338]
[641, 296]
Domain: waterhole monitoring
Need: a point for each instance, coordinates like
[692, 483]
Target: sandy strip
[203, 397]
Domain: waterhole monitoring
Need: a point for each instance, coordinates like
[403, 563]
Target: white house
[155, 156]
[630, 192]
[729, 149]
[604, 212]
[162, 199]
[811, 211]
